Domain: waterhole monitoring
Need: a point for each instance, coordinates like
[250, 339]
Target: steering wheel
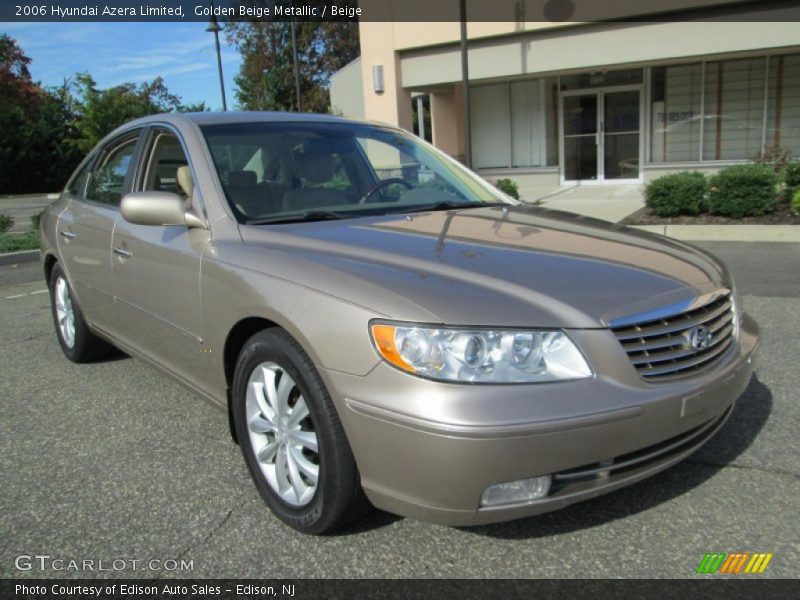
[382, 184]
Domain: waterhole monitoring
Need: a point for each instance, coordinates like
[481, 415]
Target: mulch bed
[781, 216]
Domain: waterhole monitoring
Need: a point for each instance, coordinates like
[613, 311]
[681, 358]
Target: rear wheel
[291, 436]
[78, 343]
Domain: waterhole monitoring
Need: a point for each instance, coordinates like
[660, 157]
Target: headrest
[314, 167]
[242, 179]
[185, 181]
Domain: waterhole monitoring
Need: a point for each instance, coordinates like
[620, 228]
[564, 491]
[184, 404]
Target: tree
[15, 80]
[266, 78]
[101, 111]
[34, 128]
[194, 107]
[44, 133]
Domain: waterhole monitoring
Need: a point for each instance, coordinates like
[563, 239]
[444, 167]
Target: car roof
[219, 118]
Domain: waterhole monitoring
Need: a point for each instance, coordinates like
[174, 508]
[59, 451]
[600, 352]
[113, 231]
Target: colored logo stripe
[758, 563]
[734, 563]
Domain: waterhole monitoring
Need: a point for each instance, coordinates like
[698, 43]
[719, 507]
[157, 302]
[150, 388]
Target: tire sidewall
[80, 327]
[268, 347]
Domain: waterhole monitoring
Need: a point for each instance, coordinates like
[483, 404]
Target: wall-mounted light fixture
[377, 78]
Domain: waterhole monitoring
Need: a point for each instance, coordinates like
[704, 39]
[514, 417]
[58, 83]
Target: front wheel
[291, 436]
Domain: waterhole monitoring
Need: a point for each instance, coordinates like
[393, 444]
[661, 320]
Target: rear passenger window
[107, 180]
[78, 182]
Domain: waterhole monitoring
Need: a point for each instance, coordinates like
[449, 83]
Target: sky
[113, 53]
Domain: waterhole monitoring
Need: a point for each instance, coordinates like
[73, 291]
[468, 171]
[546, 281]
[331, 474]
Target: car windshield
[301, 171]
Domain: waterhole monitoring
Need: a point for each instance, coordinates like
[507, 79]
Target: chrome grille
[662, 348]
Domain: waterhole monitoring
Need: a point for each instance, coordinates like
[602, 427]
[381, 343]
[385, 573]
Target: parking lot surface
[114, 460]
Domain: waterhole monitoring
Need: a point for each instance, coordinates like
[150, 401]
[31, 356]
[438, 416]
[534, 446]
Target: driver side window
[165, 164]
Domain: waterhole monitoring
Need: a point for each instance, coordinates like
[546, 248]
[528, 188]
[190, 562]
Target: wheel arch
[242, 331]
[237, 337]
[47, 264]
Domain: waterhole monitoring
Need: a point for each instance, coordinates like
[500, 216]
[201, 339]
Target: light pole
[462, 9]
[214, 28]
[296, 70]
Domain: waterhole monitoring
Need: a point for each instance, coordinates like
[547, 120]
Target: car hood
[514, 266]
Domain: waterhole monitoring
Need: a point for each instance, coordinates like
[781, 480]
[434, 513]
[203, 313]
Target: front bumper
[428, 450]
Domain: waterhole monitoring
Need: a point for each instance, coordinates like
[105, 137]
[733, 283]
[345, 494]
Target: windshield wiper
[449, 205]
[304, 217]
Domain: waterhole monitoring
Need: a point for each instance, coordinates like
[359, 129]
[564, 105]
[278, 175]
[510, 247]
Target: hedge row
[739, 191]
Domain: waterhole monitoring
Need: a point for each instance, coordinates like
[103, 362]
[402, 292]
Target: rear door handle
[123, 252]
[68, 234]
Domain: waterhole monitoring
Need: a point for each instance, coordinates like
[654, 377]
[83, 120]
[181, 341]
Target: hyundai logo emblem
[699, 338]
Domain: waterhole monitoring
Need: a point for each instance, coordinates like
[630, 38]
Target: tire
[291, 437]
[77, 342]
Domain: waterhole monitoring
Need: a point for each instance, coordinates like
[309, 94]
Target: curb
[726, 233]
[25, 256]
[48, 195]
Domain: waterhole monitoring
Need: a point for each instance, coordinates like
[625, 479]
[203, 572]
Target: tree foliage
[44, 133]
[34, 128]
[100, 111]
[266, 78]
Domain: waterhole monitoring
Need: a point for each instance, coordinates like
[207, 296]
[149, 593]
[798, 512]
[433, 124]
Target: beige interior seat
[252, 199]
[315, 168]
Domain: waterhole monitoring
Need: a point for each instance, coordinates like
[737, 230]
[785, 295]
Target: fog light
[516, 491]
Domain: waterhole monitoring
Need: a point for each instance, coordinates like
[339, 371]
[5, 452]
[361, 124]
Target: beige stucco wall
[447, 120]
[591, 47]
[425, 56]
[502, 17]
[347, 91]
[393, 106]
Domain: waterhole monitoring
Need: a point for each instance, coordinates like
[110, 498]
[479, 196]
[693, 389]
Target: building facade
[587, 103]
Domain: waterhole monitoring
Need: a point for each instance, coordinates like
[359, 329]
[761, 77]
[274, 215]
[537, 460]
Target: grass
[15, 242]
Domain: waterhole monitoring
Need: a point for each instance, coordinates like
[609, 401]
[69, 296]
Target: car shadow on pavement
[375, 519]
[751, 413]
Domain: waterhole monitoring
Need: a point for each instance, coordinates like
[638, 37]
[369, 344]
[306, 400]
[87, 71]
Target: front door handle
[68, 234]
[125, 253]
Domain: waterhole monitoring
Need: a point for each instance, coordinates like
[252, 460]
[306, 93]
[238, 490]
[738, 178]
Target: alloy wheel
[282, 434]
[65, 313]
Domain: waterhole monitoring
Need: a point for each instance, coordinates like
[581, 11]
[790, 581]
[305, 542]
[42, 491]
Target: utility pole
[214, 28]
[462, 8]
[296, 70]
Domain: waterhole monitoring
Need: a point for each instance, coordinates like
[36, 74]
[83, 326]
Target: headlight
[480, 355]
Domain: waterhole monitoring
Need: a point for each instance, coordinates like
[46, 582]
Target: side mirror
[158, 208]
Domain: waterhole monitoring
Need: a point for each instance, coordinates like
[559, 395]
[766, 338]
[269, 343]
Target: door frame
[600, 92]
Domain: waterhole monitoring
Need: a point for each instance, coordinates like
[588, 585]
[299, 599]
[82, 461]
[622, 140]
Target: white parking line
[17, 296]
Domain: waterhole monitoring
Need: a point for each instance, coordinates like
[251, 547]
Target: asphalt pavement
[115, 461]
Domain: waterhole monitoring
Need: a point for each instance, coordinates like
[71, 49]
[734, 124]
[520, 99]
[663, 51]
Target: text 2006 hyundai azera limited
[381, 325]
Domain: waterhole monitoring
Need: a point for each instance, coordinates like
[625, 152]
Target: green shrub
[35, 219]
[6, 223]
[743, 191]
[15, 242]
[791, 177]
[796, 202]
[508, 186]
[681, 193]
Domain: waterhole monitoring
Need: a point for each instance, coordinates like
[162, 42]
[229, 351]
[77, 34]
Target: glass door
[620, 127]
[581, 136]
[601, 135]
